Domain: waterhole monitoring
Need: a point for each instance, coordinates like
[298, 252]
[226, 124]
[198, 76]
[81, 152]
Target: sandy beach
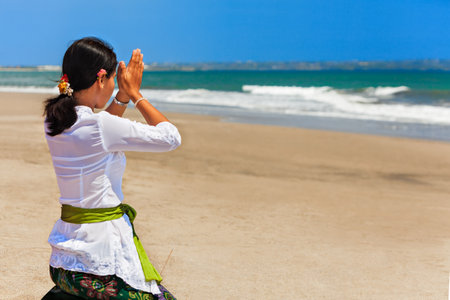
[249, 211]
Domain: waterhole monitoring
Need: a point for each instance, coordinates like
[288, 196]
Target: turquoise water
[377, 102]
[424, 87]
[234, 80]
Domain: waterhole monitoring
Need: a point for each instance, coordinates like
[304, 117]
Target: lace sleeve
[121, 134]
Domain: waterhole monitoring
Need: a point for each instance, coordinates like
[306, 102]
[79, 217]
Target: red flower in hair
[64, 78]
[64, 85]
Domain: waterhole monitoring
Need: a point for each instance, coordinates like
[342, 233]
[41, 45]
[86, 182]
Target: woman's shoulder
[84, 111]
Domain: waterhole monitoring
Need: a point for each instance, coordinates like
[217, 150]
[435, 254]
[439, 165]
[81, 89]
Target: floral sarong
[89, 286]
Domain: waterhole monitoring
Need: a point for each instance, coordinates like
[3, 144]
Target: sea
[410, 104]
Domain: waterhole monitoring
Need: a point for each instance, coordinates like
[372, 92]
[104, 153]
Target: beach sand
[249, 211]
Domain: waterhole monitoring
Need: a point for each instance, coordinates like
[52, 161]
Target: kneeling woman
[95, 250]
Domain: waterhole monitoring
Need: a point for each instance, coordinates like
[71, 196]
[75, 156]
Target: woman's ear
[101, 77]
[101, 81]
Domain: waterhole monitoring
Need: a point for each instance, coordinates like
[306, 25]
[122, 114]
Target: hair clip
[100, 73]
[64, 86]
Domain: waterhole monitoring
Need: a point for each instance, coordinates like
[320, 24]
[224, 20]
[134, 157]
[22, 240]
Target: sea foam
[328, 102]
[386, 91]
[371, 103]
[29, 89]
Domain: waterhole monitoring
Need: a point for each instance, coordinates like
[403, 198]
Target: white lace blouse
[89, 164]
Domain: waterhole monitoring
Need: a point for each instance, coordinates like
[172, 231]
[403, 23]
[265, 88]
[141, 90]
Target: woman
[95, 251]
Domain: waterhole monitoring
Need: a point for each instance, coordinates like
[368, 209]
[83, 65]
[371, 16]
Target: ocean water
[396, 103]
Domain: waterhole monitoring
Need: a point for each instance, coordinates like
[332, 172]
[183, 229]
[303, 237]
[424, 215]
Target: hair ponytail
[60, 113]
[82, 61]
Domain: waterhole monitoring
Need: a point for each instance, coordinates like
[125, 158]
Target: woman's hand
[129, 78]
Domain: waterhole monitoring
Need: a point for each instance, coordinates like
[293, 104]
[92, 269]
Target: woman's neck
[86, 97]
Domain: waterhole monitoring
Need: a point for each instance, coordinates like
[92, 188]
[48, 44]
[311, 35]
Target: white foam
[386, 91]
[29, 89]
[314, 101]
[322, 93]
[424, 114]
[49, 68]
[285, 90]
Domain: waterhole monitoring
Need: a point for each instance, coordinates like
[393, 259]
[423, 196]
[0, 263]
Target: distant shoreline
[403, 65]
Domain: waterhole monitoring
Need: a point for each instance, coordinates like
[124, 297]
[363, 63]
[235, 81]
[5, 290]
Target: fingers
[141, 65]
[136, 57]
[136, 61]
[120, 68]
[132, 56]
[129, 77]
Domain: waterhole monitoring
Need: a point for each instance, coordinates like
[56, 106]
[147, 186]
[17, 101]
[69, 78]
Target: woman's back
[88, 171]
[89, 165]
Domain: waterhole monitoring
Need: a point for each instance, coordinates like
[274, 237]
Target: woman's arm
[116, 109]
[129, 79]
[121, 134]
[148, 111]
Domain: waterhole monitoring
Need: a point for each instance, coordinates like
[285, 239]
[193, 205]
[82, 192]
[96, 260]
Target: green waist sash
[77, 215]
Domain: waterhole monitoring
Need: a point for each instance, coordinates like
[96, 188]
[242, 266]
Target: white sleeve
[121, 134]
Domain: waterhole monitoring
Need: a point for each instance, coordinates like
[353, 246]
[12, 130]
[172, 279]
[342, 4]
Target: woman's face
[107, 91]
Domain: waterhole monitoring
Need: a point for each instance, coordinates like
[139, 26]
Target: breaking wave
[371, 103]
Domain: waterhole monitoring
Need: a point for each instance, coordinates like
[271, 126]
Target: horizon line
[263, 62]
[249, 65]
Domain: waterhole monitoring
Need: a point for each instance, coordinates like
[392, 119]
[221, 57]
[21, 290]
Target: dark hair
[82, 61]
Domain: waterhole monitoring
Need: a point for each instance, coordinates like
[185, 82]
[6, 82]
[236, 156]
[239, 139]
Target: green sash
[77, 215]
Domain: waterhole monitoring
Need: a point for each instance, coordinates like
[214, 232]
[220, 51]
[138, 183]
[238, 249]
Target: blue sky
[38, 32]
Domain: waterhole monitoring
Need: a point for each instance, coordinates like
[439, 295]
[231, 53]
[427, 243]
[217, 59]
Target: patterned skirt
[89, 286]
